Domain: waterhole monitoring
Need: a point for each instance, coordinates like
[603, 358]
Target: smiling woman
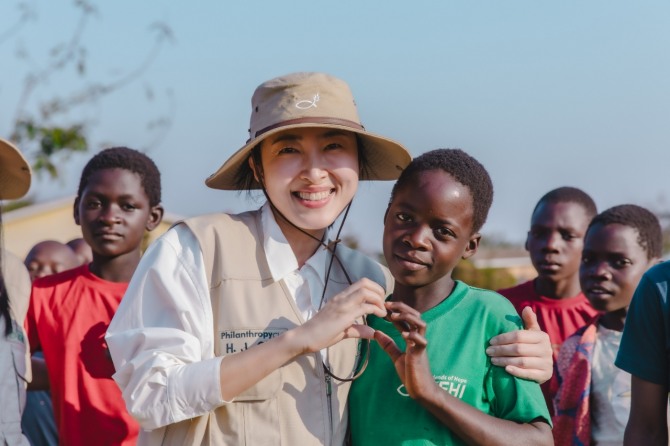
[280, 306]
[310, 174]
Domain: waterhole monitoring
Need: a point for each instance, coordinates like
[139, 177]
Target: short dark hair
[650, 234]
[568, 194]
[464, 168]
[128, 159]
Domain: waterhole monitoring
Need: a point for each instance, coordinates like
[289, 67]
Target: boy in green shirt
[438, 329]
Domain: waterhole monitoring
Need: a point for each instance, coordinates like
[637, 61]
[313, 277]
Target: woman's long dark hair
[4, 296]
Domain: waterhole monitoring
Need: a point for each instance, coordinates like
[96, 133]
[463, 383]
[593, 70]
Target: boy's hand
[524, 353]
[411, 365]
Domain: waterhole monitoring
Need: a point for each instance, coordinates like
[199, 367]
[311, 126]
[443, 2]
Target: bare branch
[95, 91]
[61, 55]
[161, 125]
[27, 14]
[37, 130]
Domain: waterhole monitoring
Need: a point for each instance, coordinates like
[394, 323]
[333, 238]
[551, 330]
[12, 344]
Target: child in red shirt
[555, 241]
[118, 200]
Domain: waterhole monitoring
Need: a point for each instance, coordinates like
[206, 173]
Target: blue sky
[544, 94]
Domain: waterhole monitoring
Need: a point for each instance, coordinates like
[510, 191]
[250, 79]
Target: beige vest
[294, 405]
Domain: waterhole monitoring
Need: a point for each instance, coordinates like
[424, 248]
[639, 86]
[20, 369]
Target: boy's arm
[476, 427]
[647, 423]
[469, 423]
[525, 353]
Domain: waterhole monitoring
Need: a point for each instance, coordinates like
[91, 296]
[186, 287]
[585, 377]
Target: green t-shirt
[458, 332]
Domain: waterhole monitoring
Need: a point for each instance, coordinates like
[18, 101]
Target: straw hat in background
[15, 172]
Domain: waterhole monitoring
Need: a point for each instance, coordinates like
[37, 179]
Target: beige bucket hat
[309, 100]
[15, 172]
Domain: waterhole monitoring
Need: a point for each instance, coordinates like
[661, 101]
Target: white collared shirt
[305, 284]
[610, 390]
[161, 336]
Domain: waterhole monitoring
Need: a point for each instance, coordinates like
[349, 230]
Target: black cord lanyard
[331, 247]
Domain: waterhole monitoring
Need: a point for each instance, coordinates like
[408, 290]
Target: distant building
[519, 267]
[53, 220]
[513, 259]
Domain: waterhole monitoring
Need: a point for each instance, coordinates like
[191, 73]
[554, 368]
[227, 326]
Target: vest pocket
[253, 416]
[19, 356]
[265, 389]
[261, 422]
[247, 423]
[14, 382]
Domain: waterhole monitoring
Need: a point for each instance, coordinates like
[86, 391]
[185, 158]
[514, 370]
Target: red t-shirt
[68, 317]
[559, 318]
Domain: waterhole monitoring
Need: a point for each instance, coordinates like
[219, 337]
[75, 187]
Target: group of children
[424, 377]
[588, 268]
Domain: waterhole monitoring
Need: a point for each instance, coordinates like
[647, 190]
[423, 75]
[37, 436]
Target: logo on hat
[306, 103]
[285, 103]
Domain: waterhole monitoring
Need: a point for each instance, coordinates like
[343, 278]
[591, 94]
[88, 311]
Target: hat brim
[15, 173]
[386, 158]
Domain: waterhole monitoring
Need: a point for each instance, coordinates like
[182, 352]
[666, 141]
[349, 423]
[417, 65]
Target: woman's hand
[341, 317]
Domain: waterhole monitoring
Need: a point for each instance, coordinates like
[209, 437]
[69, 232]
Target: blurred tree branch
[44, 127]
[27, 14]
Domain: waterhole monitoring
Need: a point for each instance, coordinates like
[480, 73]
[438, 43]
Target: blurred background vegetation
[50, 127]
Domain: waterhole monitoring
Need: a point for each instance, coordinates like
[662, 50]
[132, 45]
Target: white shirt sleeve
[161, 337]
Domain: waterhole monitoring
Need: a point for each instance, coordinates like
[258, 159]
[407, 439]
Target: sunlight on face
[310, 175]
[612, 265]
[427, 230]
[556, 238]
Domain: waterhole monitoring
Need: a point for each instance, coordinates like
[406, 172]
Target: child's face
[612, 265]
[310, 175]
[114, 212]
[50, 257]
[428, 229]
[556, 238]
[81, 249]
